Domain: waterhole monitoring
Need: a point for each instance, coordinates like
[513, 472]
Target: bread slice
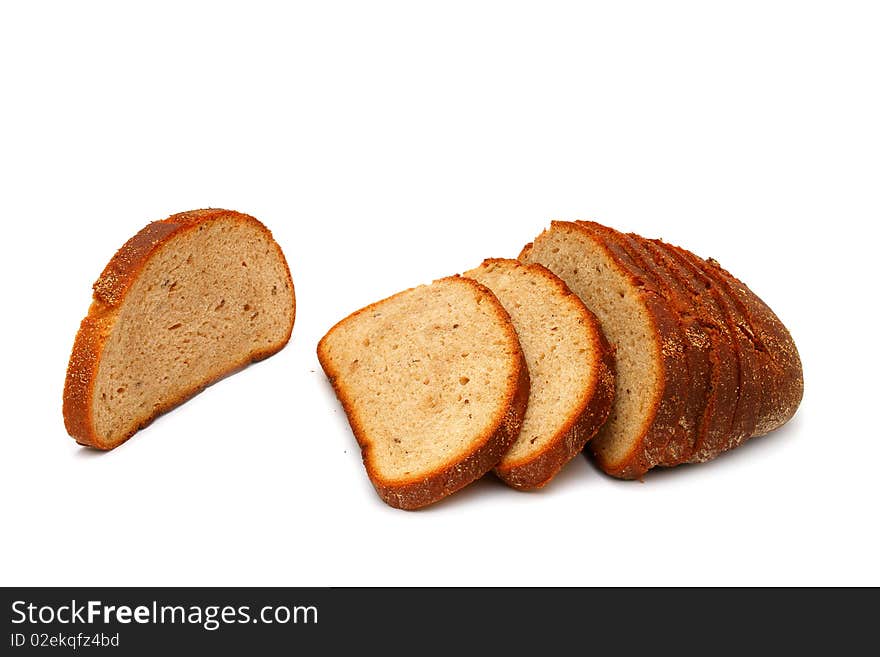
[693, 340]
[651, 381]
[186, 301]
[434, 384]
[570, 367]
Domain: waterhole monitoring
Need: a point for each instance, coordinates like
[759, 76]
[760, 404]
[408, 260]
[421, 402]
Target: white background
[388, 144]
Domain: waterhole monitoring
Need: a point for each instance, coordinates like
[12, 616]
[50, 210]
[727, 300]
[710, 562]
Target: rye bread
[750, 386]
[434, 384]
[723, 389]
[651, 381]
[693, 338]
[782, 371]
[185, 302]
[570, 368]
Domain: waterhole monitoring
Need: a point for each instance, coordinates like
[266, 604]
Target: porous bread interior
[207, 300]
[558, 345]
[582, 263]
[426, 376]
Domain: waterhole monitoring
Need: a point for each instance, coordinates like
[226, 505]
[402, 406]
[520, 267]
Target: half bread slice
[651, 375]
[434, 384]
[570, 366]
[186, 301]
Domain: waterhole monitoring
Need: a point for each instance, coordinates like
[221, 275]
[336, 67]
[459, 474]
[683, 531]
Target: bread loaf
[702, 363]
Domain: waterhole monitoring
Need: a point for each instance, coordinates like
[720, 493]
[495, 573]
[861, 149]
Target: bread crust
[698, 343]
[743, 412]
[716, 419]
[110, 291]
[781, 374]
[431, 487]
[538, 469]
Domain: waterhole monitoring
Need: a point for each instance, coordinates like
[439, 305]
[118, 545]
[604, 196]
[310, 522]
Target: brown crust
[716, 419]
[667, 411]
[699, 343]
[744, 410]
[109, 293]
[781, 370]
[442, 482]
[538, 469]
[682, 439]
[82, 370]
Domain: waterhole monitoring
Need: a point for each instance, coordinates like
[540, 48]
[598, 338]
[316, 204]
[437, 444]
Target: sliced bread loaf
[702, 363]
[570, 367]
[651, 381]
[434, 384]
[184, 302]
